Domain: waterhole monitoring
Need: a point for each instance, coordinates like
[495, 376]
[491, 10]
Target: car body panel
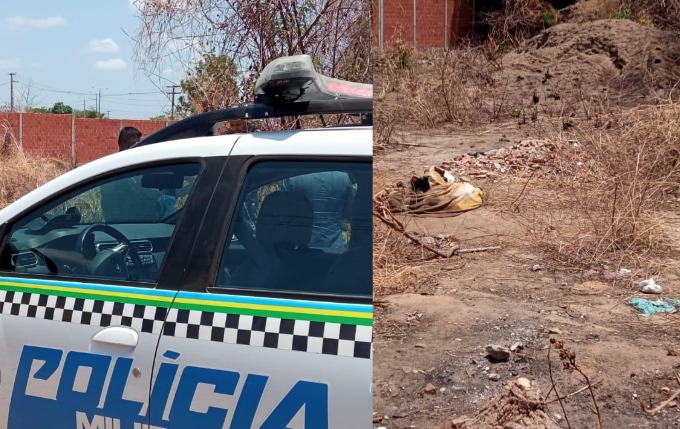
[54, 323]
[223, 360]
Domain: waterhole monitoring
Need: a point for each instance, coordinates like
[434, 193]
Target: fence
[69, 139]
[422, 23]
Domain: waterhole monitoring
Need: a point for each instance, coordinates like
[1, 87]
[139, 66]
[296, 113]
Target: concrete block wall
[74, 141]
[422, 23]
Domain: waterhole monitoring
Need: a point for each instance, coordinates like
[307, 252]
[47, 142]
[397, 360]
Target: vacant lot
[581, 211]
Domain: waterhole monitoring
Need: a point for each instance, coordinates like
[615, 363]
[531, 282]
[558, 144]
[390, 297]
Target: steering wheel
[107, 262]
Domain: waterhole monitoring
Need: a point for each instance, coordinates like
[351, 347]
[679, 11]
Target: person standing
[127, 137]
[126, 200]
[331, 195]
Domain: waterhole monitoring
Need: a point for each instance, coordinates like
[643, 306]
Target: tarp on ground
[436, 195]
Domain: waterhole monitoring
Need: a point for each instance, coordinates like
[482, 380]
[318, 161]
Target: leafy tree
[211, 86]
[162, 117]
[60, 108]
[88, 113]
[39, 110]
[250, 34]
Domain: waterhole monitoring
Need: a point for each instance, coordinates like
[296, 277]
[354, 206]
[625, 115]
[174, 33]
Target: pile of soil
[518, 407]
[619, 61]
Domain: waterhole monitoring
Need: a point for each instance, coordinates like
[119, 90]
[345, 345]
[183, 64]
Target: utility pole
[99, 103]
[173, 93]
[11, 92]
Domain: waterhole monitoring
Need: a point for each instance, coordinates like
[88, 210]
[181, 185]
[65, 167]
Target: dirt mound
[618, 60]
[519, 407]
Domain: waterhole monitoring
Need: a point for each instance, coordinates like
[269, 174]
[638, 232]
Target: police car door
[273, 326]
[81, 303]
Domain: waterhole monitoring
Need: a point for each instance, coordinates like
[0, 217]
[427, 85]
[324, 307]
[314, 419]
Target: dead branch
[665, 403]
[476, 249]
[396, 225]
[582, 389]
[553, 387]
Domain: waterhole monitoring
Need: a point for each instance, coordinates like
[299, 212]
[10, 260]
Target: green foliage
[646, 21]
[60, 108]
[39, 110]
[548, 18]
[162, 117]
[624, 13]
[400, 54]
[88, 113]
[516, 112]
[212, 85]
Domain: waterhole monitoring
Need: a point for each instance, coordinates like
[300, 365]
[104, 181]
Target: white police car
[199, 281]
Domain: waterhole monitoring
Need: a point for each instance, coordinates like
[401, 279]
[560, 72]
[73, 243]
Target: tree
[60, 108]
[213, 85]
[88, 113]
[162, 117]
[27, 98]
[251, 33]
[39, 110]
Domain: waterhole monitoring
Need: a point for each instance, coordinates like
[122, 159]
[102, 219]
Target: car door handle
[117, 336]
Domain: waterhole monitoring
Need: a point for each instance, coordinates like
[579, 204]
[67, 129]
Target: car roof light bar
[288, 86]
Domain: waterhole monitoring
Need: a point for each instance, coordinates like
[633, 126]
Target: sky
[71, 50]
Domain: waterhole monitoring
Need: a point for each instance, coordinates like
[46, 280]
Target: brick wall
[422, 23]
[69, 139]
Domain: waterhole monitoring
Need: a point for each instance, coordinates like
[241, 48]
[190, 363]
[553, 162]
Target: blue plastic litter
[649, 307]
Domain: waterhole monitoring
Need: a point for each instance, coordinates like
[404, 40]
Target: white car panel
[223, 360]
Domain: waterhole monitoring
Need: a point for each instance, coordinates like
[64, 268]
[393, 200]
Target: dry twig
[665, 403]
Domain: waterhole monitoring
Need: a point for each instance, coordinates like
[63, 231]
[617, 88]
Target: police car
[199, 280]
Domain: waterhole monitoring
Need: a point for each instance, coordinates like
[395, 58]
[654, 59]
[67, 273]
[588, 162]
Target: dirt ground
[495, 298]
[435, 329]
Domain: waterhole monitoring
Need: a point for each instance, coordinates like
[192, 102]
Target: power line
[132, 93]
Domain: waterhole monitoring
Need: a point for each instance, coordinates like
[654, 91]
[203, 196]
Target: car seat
[284, 229]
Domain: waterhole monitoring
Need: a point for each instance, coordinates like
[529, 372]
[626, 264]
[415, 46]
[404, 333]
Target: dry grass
[518, 21]
[657, 13]
[398, 265]
[603, 202]
[20, 174]
[429, 88]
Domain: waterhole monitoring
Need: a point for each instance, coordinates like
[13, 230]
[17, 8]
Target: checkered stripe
[284, 334]
[270, 332]
[92, 312]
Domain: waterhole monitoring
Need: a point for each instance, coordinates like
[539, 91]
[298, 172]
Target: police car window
[302, 227]
[116, 228]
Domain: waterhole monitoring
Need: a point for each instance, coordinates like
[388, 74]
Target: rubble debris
[430, 389]
[519, 406]
[524, 156]
[497, 353]
[537, 267]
